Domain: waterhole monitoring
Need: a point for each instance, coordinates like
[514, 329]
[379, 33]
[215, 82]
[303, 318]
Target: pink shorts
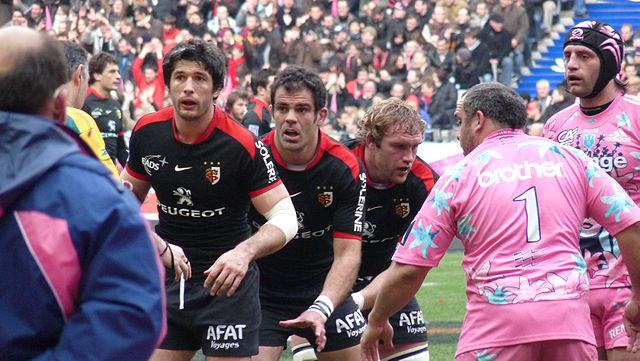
[607, 306]
[553, 350]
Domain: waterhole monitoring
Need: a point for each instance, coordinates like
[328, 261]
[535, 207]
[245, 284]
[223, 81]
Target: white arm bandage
[283, 216]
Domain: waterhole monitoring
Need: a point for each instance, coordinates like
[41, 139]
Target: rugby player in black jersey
[206, 170]
[398, 182]
[304, 287]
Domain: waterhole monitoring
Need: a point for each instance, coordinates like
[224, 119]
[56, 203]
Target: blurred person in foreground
[86, 282]
[517, 203]
[604, 125]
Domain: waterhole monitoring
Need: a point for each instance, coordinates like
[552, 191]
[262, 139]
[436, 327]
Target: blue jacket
[81, 279]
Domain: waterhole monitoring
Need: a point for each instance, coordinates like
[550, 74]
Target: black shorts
[408, 324]
[220, 325]
[343, 328]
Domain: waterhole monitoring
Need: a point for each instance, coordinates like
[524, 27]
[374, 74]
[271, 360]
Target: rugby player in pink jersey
[603, 125]
[516, 202]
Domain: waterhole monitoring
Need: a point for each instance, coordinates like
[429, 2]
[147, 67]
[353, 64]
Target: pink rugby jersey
[517, 202]
[612, 139]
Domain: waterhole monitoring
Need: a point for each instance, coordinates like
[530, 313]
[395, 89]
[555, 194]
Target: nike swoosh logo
[372, 208]
[296, 194]
[180, 169]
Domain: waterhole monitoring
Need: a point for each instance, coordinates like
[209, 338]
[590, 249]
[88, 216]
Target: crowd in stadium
[422, 51]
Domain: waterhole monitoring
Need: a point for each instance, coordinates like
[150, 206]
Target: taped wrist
[323, 306]
[358, 298]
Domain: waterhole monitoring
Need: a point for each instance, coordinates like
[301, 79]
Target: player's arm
[629, 243]
[400, 284]
[172, 256]
[225, 275]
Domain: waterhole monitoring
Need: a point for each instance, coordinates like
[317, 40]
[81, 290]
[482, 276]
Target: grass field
[442, 300]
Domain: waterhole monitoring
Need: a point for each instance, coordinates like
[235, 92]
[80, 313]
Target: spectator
[413, 31]
[442, 57]
[436, 26]
[148, 75]
[443, 101]
[344, 15]
[516, 23]
[466, 73]
[398, 90]
[247, 7]
[146, 26]
[451, 8]
[125, 58]
[543, 94]
[480, 16]
[221, 20]
[35, 14]
[169, 33]
[287, 15]
[498, 41]
[480, 53]
[560, 99]
[100, 36]
[236, 105]
[305, 51]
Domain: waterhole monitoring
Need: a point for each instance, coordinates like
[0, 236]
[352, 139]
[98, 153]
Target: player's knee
[420, 353]
[303, 352]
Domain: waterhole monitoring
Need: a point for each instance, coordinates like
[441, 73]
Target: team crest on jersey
[212, 172]
[588, 140]
[402, 209]
[325, 196]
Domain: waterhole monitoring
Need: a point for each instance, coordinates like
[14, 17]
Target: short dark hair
[497, 102]
[98, 63]
[75, 55]
[259, 78]
[233, 97]
[296, 77]
[197, 50]
[34, 77]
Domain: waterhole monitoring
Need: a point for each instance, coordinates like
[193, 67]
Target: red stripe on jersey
[424, 172]
[236, 130]
[339, 151]
[159, 116]
[337, 234]
[136, 175]
[94, 92]
[260, 105]
[265, 189]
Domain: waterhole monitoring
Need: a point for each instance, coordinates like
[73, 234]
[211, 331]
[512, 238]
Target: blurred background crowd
[424, 51]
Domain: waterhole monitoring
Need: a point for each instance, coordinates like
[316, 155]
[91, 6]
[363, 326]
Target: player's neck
[604, 97]
[299, 159]
[189, 130]
[103, 92]
[373, 174]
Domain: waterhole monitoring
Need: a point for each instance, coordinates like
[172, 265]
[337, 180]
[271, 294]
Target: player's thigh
[412, 351]
[171, 355]
[268, 353]
[347, 354]
[230, 358]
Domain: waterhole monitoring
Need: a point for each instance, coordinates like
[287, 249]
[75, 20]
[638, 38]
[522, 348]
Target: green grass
[442, 300]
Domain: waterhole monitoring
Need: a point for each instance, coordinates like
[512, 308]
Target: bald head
[32, 66]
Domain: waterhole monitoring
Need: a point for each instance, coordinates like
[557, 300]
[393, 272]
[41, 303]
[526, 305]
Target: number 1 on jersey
[531, 209]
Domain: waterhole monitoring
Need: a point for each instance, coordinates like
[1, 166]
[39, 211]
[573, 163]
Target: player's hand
[369, 341]
[311, 319]
[227, 272]
[181, 265]
[631, 319]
